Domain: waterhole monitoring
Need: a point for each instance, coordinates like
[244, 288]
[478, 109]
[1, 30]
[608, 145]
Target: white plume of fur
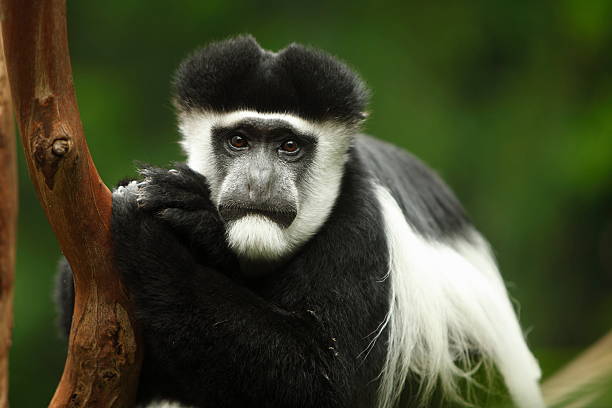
[448, 301]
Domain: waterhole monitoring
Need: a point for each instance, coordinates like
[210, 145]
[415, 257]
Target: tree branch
[8, 225]
[584, 378]
[104, 356]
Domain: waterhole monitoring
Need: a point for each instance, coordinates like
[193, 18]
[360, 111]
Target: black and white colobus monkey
[293, 262]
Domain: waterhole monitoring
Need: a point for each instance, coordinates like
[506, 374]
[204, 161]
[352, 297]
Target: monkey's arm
[209, 340]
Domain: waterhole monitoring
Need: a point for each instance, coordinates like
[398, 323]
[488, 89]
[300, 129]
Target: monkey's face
[273, 177]
[260, 163]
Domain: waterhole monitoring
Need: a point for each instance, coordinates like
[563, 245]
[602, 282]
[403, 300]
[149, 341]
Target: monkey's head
[271, 133]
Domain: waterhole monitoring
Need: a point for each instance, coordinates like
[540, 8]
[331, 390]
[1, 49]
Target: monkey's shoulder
[427, 202]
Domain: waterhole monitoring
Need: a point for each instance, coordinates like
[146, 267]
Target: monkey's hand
[180, 198]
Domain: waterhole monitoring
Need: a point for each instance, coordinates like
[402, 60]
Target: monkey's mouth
[283, 217]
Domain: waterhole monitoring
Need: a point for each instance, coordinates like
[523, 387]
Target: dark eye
[290, 146]
[238, 142]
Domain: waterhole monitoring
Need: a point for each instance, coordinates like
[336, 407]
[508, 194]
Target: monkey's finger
[180, 176]
[154, 195]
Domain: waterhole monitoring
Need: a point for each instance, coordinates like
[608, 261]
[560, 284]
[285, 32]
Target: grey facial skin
[260, 162]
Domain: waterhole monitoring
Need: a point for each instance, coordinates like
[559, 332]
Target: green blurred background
[511, 101]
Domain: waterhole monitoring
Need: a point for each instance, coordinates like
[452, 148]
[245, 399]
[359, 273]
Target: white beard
[256, 237]
[165, 404]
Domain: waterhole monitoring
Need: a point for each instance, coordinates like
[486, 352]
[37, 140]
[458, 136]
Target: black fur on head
[238, 74]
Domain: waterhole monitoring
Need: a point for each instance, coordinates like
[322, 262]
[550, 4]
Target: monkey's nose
[260, 183]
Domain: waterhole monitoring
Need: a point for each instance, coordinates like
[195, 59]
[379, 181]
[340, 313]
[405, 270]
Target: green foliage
[510, 100]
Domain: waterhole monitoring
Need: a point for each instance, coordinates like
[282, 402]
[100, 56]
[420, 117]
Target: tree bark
[8, 225]
[104, 355]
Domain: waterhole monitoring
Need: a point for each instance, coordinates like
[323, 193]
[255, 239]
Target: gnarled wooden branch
[8, 225]
[104, 357]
